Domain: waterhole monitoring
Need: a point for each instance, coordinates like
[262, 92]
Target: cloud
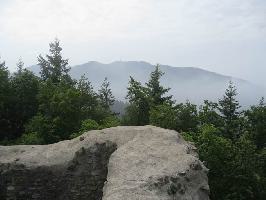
[224, 36]
[82, 19]
[181, 21]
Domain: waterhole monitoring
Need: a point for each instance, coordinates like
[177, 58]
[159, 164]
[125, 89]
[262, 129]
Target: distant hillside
[190, 83]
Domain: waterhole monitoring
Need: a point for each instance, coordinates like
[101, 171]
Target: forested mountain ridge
[190, 83]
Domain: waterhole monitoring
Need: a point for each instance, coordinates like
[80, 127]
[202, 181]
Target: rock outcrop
[125, 163]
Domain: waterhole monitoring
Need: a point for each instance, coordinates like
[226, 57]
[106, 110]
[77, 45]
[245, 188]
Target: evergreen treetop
[229, 109]
[105, 94]
[155, 90]
[54, 67]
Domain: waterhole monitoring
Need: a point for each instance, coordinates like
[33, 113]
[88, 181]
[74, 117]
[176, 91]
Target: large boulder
[125, 163]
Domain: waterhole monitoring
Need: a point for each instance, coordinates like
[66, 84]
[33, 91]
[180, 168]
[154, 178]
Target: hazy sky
[226, 36]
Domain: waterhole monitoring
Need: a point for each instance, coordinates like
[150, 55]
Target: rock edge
[118, 163]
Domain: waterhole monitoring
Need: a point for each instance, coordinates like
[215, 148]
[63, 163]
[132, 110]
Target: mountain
[190, 83]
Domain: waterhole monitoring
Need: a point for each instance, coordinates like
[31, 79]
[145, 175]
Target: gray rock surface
[122, 163]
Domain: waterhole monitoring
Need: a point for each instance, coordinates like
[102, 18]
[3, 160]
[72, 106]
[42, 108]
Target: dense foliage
[232, 142]
[54, 107]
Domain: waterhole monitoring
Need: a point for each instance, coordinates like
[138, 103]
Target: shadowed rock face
[117, 163]
[82, 177]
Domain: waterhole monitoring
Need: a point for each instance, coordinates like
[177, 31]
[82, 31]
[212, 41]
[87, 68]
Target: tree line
[231, 141]
[53, 107]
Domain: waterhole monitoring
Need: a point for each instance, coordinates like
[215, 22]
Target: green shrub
[74, 135]
[110, 121]
[163, 116]
[189, 136]
[30, 139]
[6, 142]
[44, 128]
[89, 124]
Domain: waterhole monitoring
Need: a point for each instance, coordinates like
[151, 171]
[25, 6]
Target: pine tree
[84, 86]
[105, 94]
[54, 67]
[4, 101]
[208, 114]
[256, 123]
[25, 89]
[229, 109]
[155, 90]
[137, 113]
[88, 98]
[20, 66]
[187, 117]
[4, 74]
[144, 98]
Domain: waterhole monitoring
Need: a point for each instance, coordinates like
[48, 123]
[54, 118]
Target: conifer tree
[25, 89]
[105, 94]
[4, 75]
[54, 67]
[256, 123]
[4, 101]
[20, 66]
[88, 98]
[155, 90]
[144, 98]
[84, 86]
[229, 109]
[208, 114]
[137, 113]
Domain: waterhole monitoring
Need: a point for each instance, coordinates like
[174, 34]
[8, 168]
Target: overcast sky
[227, 37]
